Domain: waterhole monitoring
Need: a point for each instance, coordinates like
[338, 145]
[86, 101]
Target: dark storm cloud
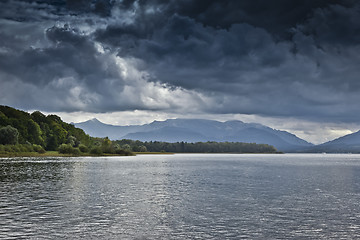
[273, 58]
[69, 62]
[276, 16]
[248, 69]
[334, 26]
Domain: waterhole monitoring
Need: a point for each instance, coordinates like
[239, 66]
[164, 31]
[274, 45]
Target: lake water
[182, 196]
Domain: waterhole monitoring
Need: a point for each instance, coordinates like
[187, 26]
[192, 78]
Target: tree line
[24, 132]
[198, 147]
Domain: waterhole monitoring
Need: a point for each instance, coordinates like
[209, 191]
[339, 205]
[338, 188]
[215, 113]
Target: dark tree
[9, 135]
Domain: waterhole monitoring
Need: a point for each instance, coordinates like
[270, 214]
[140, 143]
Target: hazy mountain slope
[289, 137]
[257, 135]
[350, 139]
[195, 130]
[168, 134]
[219, 131]
[347, 143]
[96, 128]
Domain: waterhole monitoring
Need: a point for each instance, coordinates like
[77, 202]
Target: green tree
[67, 148]
[106, 142]
[126, 147]
[83, 148]
[38, 117]
[9, 135]
[142, 148]
[72, 141]
[34, 133]
[52, 143]
[59, 132]
[4, 121]
[96, 150]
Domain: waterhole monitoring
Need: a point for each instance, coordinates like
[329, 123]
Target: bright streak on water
[183, 196]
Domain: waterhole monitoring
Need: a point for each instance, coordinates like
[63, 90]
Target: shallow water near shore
[182, 196]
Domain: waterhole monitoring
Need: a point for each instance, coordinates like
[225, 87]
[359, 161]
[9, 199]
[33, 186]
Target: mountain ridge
[349, 143]
[198, 130]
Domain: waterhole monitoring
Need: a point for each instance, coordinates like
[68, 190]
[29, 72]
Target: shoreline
[57, 154]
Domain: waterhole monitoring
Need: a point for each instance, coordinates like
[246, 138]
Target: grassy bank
[55, 154]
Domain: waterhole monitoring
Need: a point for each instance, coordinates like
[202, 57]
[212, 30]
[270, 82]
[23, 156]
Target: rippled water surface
[184, 196]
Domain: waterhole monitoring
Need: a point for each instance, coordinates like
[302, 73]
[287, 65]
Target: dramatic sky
[290, 64]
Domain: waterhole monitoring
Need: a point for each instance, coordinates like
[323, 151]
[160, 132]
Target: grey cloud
[274, 16]
[271, 58]
[185, 50]
[25, 11]
[71, 61]
[69, 51]
[277, 16]
[334, 26]
[100, 7]
[245, 64]
[71, 72]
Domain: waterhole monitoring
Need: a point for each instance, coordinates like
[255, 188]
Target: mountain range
[198, 130]
[347, 144]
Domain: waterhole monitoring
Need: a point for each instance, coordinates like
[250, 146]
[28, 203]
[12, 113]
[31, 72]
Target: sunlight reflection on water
[183, 196]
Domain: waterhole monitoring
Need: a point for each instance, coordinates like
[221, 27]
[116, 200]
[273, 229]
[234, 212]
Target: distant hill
[24, 132]
[347, 144]
[198, 130]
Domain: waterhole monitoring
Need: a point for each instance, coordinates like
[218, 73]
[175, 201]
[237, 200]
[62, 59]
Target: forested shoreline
[198, 147]
[22, 132]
